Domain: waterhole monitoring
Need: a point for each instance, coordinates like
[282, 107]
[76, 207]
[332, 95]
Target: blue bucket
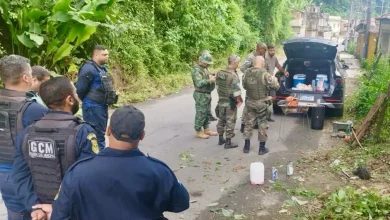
[299, 78]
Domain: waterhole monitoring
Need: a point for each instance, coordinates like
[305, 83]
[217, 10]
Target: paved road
[209, 170]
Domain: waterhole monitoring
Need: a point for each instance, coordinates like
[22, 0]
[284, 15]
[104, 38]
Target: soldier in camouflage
[261, 48]
[257, 83]
[211, 117]
[204, 84]
[229, 92]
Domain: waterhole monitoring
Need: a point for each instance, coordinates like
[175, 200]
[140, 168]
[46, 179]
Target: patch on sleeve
[56, 197]
[45, 149]
[93, 139]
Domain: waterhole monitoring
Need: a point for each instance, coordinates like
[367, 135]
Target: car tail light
[339, 81]
[332, 100]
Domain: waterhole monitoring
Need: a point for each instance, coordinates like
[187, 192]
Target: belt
[203, 92]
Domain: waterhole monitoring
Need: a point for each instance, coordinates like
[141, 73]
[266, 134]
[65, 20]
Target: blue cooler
[299, 78]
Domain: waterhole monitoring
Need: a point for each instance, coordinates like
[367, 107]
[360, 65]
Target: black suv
[308, 59]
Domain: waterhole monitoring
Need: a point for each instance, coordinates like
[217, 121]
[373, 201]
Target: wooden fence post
[382, 115]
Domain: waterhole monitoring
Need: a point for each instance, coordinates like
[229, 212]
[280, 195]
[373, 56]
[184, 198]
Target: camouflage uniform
[228, 84]
[257, 82]
[202, 96]
[248, 63]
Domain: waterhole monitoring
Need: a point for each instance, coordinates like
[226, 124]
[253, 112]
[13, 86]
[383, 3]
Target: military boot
[221, 140]
[247, 146]
[242, 128]
[209, 132]
[201, 135]
[262, 149]
[229, 144]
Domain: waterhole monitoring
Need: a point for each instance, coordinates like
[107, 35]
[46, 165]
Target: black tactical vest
[49, 148]
[106, 93]
[12, 106]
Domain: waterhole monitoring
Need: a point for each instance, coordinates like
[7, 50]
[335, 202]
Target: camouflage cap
[206, 57]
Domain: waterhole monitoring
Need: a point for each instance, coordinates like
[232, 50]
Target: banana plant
[49, 34]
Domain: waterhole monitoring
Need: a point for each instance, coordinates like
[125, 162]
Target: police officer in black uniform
[47, 148]
[17, 111]
[120, 183]
[95, 89]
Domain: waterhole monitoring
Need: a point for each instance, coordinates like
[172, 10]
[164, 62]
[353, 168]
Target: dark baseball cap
[127, 124]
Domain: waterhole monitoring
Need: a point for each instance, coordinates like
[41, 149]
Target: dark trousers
[97, 117]
[15, 208]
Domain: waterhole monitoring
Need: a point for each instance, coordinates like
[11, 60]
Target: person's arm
[246, 65]
[85, 79]
[21, 176]
[271, 81]
[33, 113]
[198, 79]
[280, 68]
[86, 142]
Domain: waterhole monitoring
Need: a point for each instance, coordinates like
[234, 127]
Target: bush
[351, 47]
[351, 204]
[372, 84]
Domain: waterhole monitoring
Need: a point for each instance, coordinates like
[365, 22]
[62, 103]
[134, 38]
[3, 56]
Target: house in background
[317, 23]
[360, 29]
[335, 25]
[298, 23]
[384, 35]
[344, 28]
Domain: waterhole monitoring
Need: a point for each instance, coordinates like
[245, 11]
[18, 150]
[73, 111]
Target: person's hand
[213, 78]
[287, 74]
[239, 101]
[38, 215]
[47, 209]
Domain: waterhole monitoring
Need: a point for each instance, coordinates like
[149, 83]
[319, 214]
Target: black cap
[127, 124]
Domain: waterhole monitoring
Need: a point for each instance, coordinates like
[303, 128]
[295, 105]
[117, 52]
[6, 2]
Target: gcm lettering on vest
[42, 149]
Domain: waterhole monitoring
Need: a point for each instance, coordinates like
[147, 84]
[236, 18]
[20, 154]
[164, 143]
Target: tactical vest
[49, 148]
[13, 104]
[106, 93]
[254, 84]
[224, 83]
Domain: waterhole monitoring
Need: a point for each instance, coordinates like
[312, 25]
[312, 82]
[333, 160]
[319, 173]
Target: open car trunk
[303, 72]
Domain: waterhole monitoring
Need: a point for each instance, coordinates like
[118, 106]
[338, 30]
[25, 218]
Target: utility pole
[349, 28]
[368, 25]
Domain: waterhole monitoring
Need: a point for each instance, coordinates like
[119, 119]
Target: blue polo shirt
[119, 184]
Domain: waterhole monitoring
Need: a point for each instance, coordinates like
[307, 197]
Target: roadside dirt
[312, 181]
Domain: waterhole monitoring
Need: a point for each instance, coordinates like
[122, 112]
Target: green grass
[143, 88]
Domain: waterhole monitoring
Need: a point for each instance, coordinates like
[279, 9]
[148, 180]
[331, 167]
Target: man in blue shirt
[40, 74]
[17, 112]
[95, 89]
[33, 148]
[119, 183]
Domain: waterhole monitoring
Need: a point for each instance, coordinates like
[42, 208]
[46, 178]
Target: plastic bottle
[257, 173]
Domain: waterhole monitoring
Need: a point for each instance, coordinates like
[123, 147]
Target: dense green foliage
[152, 42]
[349, 203]
[372, 84]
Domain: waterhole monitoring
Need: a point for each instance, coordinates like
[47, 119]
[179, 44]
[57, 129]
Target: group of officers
[55, 165]
[260, 84]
